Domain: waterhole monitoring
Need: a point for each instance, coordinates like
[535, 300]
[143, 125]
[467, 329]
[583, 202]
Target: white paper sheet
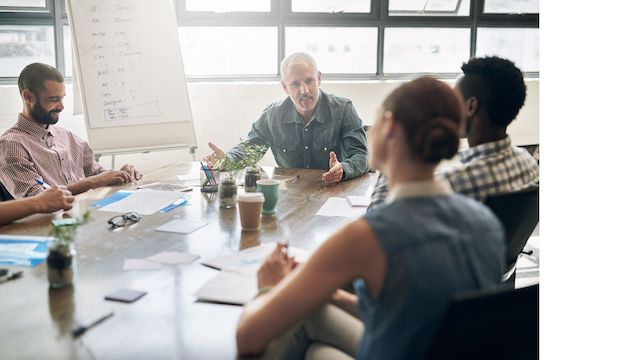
[144, 202]
[340, 207]
[190, 176]
[248, 261]
[182, 226]
[140, 264]
[229, 287]
[357, 201]
[173, 258]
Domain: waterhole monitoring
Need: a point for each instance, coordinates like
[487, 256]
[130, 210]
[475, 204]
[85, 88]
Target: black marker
[81, 329]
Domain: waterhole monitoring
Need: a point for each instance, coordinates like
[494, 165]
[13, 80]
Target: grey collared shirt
[335, 126]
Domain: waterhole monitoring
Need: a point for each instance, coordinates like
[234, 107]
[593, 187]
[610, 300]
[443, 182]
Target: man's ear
[389, 125]
[472, 106]
[284, 87]
[28, 96]
[319, 77]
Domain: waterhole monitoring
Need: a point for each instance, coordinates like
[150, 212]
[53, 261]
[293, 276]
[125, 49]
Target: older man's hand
[334, 175]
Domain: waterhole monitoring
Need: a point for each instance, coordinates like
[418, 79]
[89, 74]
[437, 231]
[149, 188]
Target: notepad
[340, 207]
[165, 187]
[357, 201]
[23, 250]
[248, 261]
[140, 264]
[144, 201]
[125, 295]
[173, 258]
[182, 226]
[229, 288]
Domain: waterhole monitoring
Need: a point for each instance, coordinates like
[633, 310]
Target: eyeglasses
[121, 220]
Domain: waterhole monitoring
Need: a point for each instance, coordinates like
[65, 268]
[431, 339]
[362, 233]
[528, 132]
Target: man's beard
[43, 117]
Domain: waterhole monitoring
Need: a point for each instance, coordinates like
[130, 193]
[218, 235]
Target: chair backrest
[4, 194]
[495, 324]
[519, 214]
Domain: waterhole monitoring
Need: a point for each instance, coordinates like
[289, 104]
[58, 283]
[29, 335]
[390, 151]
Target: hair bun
[438, 140]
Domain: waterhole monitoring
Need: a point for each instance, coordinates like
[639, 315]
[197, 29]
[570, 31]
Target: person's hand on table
[275, 267]
[54, 199]
[334, 175]
[134, 174]
[111, 177]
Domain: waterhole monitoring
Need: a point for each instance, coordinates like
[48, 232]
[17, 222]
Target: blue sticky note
[111, 199]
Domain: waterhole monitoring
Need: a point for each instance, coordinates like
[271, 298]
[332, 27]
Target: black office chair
[496, 324]
[519, 214]
[4, 194]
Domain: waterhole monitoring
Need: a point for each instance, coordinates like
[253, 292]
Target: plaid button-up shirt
[30, 151]
[486, 169]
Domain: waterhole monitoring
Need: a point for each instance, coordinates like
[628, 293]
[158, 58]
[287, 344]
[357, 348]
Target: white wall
[223, 113]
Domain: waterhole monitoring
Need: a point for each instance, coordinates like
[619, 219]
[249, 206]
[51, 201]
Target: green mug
[270, 190]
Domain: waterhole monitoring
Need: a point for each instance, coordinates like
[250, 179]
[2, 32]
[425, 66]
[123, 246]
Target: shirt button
[325, 149]
[305, 129]
[284, 150]
[307, 166]
[306, 148]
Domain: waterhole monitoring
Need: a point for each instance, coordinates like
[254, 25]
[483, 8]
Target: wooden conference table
[169, 322]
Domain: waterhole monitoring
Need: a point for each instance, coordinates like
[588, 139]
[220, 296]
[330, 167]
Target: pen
[81, 329]
[44, 184]
[213, 177]
[206, 172]
[5, 277]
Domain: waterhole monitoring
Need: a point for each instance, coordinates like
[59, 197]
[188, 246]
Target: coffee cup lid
[251, 197]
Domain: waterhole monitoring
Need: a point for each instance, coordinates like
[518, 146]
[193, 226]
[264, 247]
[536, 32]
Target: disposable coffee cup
[250, 206]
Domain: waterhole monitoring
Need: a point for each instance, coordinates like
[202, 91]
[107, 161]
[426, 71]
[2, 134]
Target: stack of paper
[336, 206]
[143, 201]
[18, 250]
[237, 282]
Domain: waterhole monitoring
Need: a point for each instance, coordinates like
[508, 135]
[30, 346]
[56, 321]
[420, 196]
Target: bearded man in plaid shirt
[35, 149]
[493, 90]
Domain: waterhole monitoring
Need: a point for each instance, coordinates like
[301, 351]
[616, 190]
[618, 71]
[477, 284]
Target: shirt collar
[416, 189]
[485, 149]
[31, 127]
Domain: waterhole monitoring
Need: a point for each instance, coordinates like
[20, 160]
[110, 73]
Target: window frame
[281, 16]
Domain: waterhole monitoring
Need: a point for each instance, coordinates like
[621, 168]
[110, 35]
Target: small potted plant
[252, 154]
[61, 260]
[232, 166]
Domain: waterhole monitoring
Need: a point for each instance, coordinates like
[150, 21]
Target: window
[518, 45]
[23, 45]
[68, 55]
[331, 6]
[337, 50]
[215, 50]
[226, 6]
[425, 50]
[24, 3]
[512, 6]
[429, 8]
[364, 39]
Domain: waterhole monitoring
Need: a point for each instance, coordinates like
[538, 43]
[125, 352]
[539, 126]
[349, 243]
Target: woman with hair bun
[405, 259]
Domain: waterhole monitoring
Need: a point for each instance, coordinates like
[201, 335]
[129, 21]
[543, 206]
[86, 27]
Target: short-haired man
[35, 149]
[309, 128]
[494, 92]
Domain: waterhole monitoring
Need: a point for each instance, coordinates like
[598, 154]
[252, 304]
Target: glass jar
[251, 176]
[61, 264]
[228, 191]
[205, 180]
